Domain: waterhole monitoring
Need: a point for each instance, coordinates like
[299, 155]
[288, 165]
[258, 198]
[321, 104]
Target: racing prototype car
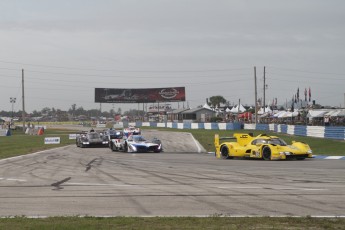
[91, 139]
[131, 130]
[116, 140]
[261, 147]
[137, 143]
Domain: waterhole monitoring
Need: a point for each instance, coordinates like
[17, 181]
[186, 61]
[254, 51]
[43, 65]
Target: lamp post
[12, 100]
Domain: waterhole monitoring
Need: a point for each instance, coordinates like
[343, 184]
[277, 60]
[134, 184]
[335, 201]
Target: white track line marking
[196, 143]
[303, 189]
[13, 179]
[334, 157]
[94, 184]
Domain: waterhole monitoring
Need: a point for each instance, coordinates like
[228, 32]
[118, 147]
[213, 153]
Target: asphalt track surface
[72, 181]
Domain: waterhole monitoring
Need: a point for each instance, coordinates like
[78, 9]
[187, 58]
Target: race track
[73, 181]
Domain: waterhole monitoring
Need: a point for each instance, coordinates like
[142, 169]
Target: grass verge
[173, 223]
[20, 144]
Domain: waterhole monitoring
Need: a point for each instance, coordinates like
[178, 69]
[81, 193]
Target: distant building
[176, 115]
[198, 115]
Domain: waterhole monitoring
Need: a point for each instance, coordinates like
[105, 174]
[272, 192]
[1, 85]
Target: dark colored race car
[92, 139]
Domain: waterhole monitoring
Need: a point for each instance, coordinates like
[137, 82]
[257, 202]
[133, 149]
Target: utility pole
[264, 89]
[256, 97]
[238, 109]
[23, 101]
[286, 104]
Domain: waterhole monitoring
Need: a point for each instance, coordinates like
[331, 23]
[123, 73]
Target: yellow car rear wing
[217, 142]
[241, 138]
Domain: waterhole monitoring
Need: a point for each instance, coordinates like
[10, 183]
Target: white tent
[206, 106]
[331, 113]
[267, 110]
[335, 113]
[234, 109]
[7, 119]
[316, 113]
[227, 110]
[242, 109]
[285, 114]
[293, 114]
[341, 113]
[238, 109]
[279, 113]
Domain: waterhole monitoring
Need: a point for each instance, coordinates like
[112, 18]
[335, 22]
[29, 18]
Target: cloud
[160, 43]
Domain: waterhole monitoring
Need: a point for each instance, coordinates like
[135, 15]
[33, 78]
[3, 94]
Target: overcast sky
[69, 47]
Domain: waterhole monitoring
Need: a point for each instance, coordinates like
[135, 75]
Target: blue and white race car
[131, 130]
[137, 143]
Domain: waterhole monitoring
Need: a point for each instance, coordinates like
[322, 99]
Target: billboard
[145, 95]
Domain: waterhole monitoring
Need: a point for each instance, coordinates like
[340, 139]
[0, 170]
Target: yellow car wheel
[224, 153]
[266, 153]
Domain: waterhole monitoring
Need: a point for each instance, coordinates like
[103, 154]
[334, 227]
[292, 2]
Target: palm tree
[216, 101]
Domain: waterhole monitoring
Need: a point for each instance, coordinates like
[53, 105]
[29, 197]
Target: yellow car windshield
[277, 141]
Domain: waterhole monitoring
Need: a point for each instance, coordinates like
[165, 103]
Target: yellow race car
[261, 147]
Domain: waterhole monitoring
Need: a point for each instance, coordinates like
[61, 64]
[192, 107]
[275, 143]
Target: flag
[117, 117]
[295, 98]
[309, 94]
[305, 94]
[298, 94]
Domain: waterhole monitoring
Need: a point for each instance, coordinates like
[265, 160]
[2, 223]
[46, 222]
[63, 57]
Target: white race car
[131, 130]
[137, 143]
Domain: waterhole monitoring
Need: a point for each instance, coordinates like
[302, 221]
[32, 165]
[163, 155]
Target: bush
[216, 119]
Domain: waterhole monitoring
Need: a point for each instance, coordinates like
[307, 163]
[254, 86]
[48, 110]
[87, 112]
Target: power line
[128, 71]
[308, 77]
[306, 81]
[305, 71]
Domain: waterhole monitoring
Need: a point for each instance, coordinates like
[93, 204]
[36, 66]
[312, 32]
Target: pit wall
[331, 132]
